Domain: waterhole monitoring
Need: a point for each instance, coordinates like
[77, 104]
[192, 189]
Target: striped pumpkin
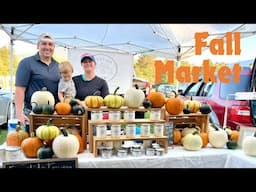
[93, 101]
[47, 132]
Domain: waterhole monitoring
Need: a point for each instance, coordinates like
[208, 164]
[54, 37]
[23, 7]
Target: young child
[66, 87]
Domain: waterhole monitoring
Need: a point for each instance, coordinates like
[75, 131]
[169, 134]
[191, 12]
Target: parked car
[165, 88]
[239, 112]
[5, 108]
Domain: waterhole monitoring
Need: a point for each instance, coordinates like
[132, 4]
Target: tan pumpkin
[157, 99]
[234, 135]
[43, 97]
[174, 106]
[113, 100]
[134, 97]
[193, 105]
[30, 146]
[75, 131]
[248, 145]
[15, 138]
[47, 132]
[93, 101]
[192, 141]
[63, 108]
[65, 145]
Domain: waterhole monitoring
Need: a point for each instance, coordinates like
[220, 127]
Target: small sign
[67, 163]
[169, 132]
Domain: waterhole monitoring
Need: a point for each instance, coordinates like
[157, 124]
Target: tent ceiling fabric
[164, 40]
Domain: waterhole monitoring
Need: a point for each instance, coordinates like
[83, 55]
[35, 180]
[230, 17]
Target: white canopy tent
[173, 41]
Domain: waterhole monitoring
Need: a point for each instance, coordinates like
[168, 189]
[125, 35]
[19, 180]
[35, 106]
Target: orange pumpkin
[63, 108]
[174, 106]
[176, 136]
[75, 132]
[157, 99]
[204, 137]
[14, 138]
[30, 145]
[234, 135]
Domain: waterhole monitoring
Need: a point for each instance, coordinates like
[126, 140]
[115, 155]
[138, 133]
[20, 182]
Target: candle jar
[129, 115]
[155, 114]
[114, 115]
[130, 130]
[145, 130]
[101, 131]
[159, 129]
[96, 115]
[115, 131]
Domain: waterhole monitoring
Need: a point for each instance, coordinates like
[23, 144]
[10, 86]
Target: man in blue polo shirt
[34, 73]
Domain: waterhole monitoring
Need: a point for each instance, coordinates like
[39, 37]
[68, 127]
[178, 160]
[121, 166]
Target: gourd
[30, 145]
[15, 138]
[193, 105]
[47, 109]
[174, 106]
[113, 101]
[42, 97]
[78, 110]
[94, 101]
[218, 137]
[63, 108]
[45, 152]
[231, 144]
[186, 110]
[192, 141]
[37, 109]
[205, 108]
[47, 132]
[248, 145]
[157, 99]
[65, 145]
[134, 97]
[146, 103]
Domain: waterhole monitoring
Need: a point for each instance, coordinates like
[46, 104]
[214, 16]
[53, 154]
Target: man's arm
[19, 101]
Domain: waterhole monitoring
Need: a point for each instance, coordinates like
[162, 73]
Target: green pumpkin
[37, 109]
[146, 103]
[73, 102]
[231, 144]
[205, 108]
[44, 152]
[48, 109]
[78, 110]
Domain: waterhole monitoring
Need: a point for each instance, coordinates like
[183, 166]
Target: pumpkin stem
[136, 86]
[64, 132]
[195, 133]
[44, 89]
[18, 126]
[49, 122]
[32, 134]
[191, 98]
[116, 90]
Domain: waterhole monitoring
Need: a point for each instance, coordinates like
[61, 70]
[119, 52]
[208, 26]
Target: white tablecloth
[177, 157]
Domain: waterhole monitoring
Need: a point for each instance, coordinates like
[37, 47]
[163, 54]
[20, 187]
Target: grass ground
[3, 133]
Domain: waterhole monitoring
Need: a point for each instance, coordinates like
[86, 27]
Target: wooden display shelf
[78, 121]
[112, 122]
[199, 119]
[163, 140]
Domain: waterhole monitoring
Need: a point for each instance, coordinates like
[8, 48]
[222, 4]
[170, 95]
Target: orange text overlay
[187, 74]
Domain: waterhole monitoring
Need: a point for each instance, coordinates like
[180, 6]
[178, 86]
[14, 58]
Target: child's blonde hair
[65, 66]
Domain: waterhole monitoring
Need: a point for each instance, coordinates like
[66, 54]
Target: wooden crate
[78, 121]
[198, 119]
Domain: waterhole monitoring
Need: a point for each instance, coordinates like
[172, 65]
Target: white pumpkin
[42, 97]
[218, 138]
[249, 145]
[65, 145]
[192, 142]
[134, 97]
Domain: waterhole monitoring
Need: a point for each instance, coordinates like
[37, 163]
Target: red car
[215, 94]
